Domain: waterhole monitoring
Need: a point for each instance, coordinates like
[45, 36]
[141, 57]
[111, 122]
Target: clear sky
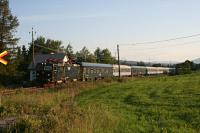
[106, 23]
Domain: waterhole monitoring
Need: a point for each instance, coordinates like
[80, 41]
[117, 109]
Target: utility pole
[118, 61]
[33, 46]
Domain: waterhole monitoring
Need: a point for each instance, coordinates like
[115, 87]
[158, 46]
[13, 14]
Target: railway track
[6, 92]
[8, 121]
[15, 91]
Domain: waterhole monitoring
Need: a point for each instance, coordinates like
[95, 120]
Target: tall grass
[150, 104]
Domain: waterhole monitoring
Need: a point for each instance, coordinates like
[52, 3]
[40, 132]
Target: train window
[55, 68]
[91, 70]
[87, 71]
[102, 70]
[84, 70]
[106, 71]
[48, 68]
[95, 70]
[39, 67]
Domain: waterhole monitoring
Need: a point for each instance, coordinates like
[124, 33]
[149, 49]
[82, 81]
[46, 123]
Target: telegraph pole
[118, 62]
[33, 47]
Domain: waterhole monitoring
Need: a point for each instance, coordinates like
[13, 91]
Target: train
[54, 72]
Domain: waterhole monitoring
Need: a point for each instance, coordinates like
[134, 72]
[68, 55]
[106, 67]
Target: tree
[24, 59]
[24, 52]
[98, 54]
[84, 55]
[46, 46]
[69, 51]
[107, 57]
[104, 56]
[91, 58]
[185, 67]
[141, 63]
[23, 63]
[42, 42]
[157, 65]
[8, 25]
[55, 45]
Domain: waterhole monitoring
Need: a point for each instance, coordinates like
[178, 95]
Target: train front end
[44, 73]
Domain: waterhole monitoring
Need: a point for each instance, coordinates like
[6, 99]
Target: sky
[106, 23]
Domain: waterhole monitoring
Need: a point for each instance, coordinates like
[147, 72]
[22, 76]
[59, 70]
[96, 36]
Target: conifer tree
[8, 25]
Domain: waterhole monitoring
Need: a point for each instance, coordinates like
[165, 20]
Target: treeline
[47, 46]
[8, 25]
[186, 67]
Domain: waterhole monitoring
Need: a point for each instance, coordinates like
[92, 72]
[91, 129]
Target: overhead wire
[160, 41]
[163, 44]
[169, 45]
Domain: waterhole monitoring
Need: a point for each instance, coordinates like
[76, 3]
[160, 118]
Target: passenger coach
[94, 71]
[124, 70]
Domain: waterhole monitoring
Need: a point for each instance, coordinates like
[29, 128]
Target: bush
[184, 68]
[108, 80]
[21, 126]
[1, 109]
[121, 80]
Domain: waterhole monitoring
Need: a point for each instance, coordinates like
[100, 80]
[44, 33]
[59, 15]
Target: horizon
[105, 24]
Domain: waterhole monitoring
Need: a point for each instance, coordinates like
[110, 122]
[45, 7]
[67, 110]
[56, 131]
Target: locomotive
[54, 71]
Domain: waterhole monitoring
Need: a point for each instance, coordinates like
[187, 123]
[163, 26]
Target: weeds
[157, 104]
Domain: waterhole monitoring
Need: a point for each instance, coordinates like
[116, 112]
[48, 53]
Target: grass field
[150, 104]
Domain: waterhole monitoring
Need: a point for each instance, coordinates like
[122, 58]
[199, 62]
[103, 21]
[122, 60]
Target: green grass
[150, 104]
[161, 104]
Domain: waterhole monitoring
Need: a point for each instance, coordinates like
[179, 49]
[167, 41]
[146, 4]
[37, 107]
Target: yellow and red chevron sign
[1, 57]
